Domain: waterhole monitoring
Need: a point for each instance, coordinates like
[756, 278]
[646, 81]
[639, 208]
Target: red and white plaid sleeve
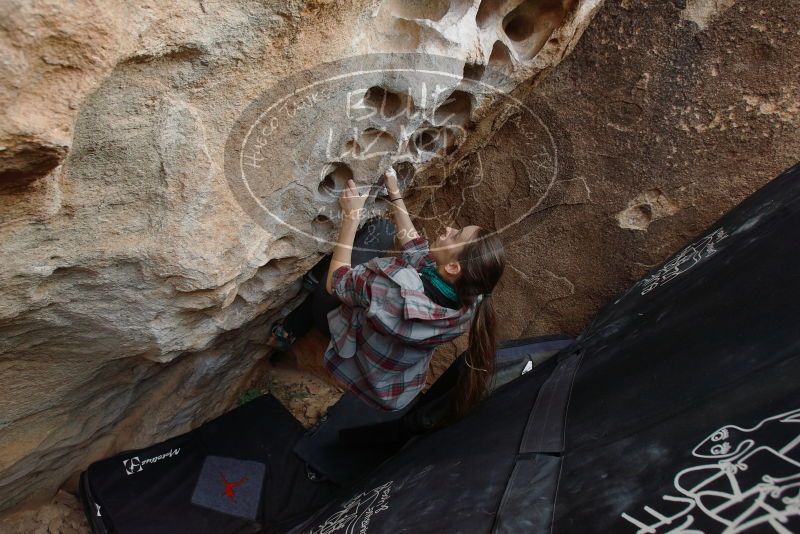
[351, 285]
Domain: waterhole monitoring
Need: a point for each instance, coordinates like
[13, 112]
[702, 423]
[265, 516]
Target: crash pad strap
[529, 498]
[528, 501]
[544, 431]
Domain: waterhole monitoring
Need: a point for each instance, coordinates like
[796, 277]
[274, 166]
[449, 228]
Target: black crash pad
[677, 410]
[353, 438]
[233, 474]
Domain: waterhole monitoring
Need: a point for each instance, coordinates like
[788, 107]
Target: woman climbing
[385, 315]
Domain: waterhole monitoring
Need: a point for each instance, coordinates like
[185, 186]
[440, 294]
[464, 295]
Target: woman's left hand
[390, 181]
[351, 202]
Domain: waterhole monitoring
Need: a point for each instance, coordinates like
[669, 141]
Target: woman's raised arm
[352, 205]
[405, 228]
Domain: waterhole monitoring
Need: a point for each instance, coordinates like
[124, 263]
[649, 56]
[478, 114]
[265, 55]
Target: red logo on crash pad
[230, 485]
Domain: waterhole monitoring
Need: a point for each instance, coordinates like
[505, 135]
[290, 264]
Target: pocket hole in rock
[456, 109]
[532, 22]
[405, 173]
[488, 11]
[321, 225]
[517, 27]
[376, 142]
[435, 140]
[352, 148]
[473, 71]
[387, 104]
[500, 58]
[426, 140]
[334, 180]
[27, 162]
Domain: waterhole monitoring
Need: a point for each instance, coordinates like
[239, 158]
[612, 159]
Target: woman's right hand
[390, 181]
[351, 202]
[402, 220]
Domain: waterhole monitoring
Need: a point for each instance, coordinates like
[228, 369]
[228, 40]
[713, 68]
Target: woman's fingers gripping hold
[390, 181]
[351, 201]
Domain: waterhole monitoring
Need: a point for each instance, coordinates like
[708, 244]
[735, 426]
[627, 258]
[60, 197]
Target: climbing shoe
[310, 281]
[279, 338]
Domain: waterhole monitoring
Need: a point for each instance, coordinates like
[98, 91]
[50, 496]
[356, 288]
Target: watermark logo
[295, 148]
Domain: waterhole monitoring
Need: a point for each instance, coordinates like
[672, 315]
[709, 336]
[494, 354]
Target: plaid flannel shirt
[384, 333]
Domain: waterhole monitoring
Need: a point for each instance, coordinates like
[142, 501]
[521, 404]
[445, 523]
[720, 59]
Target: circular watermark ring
[296, 146]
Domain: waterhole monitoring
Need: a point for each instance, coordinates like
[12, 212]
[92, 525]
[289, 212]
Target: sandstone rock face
[136, 287]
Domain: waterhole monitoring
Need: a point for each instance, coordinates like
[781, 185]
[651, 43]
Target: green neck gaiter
[442, 285]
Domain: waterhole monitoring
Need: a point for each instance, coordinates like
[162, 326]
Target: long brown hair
[482, 262]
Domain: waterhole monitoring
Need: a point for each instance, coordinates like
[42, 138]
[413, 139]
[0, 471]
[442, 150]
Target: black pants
[373, 240]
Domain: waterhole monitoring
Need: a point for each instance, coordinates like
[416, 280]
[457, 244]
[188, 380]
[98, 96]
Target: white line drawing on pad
[688, 258]
[751, 479]
[356, 514]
